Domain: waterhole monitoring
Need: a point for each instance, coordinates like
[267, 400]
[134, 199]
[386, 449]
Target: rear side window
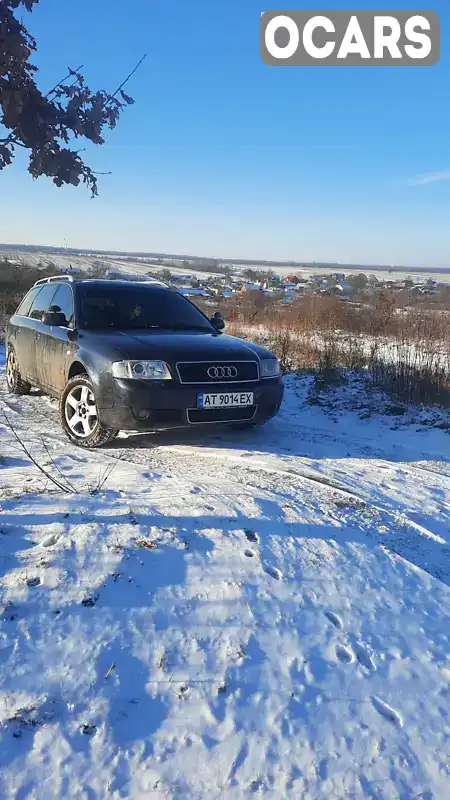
[63, 299]
[24, 308]
[43, 301]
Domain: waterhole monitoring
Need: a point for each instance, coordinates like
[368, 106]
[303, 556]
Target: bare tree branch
[32, 459]
[129, 76]
[71, 72]
[54, 464]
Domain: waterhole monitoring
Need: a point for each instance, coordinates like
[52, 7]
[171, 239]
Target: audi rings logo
[221, 372]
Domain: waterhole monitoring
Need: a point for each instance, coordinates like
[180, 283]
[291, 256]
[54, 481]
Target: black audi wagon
[135, 356]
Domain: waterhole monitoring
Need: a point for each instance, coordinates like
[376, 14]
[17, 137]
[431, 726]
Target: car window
[42, 301]
[63, 301]
[29, 298]
[132, 308]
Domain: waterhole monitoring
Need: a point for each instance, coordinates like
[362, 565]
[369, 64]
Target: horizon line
[221, 260]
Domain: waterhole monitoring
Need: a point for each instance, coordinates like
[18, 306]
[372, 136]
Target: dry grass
[403, 350]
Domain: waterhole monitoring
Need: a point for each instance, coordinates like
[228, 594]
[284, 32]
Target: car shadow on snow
[286, 437]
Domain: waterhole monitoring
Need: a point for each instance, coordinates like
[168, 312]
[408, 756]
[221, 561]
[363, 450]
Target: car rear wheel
[14, 380]
[79, 414]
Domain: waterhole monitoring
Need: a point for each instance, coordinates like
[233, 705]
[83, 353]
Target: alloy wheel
[11, 369]
[81, 411]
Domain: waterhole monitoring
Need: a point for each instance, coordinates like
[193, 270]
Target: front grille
[203, 415]
[219, 371]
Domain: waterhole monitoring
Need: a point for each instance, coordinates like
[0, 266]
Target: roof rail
[54, 278]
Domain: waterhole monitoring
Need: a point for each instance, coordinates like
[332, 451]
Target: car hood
[174, 346]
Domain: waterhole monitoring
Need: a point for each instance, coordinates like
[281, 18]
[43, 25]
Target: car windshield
[133, 308]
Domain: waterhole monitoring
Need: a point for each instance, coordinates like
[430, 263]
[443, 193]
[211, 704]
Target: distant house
[188, 291]
[251, 287]
[221, 291]
[344, 287]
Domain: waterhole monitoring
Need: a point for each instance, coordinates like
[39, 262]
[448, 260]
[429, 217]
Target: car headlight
[270, 368]
[142, 370]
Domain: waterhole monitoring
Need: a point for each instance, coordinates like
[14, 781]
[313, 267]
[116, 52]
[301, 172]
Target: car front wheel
[14, 380]
[79, 414]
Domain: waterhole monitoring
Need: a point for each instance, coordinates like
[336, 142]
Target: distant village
[286, 289]
[205, 279]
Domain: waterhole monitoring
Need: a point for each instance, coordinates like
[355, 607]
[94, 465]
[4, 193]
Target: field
[83, 263]
[141, 265]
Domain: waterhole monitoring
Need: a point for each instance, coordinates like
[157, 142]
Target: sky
[224, 156]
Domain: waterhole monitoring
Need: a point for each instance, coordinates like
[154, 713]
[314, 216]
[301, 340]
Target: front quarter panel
[97, 359]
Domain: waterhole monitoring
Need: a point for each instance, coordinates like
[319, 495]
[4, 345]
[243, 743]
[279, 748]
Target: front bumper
[164, 405]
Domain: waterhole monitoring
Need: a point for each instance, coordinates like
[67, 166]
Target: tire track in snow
[140, 453]
[406, 538]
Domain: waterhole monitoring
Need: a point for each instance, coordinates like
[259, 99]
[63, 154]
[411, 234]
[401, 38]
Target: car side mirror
[54, 318]
[218, 323]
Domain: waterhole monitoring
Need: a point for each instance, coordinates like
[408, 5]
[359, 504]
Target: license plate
[225, 400]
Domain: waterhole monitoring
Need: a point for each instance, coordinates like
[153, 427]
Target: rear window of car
[24, 307]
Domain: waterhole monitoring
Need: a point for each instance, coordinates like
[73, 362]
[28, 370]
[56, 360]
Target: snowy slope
[84, 263]
[241, 615]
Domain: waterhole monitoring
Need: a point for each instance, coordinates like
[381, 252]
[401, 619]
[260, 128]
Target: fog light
[143, 414]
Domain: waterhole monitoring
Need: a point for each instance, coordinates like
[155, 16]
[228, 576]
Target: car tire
[79, 415]
[14, 380]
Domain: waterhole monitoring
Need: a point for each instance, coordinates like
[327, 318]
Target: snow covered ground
[234, 615]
